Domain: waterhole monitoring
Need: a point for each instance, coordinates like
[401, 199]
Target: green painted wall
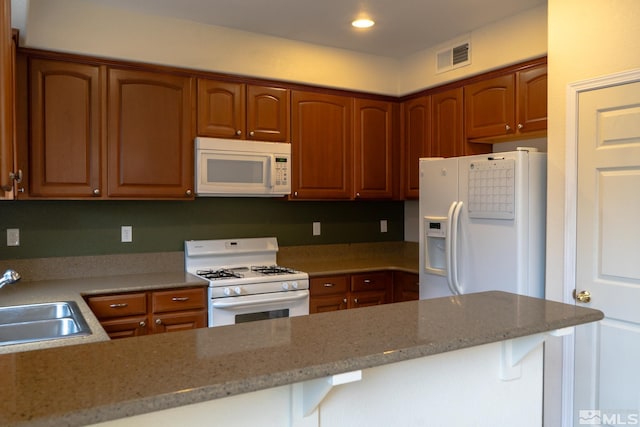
[51, 228]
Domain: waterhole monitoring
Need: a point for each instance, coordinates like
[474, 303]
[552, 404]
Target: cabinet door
[150, 135]
[7, 101]
[125, 327]
[406, 286]
[179, 321]
[327, 303]
[367, 299]
[65, 129]
[321, 146]
[221, 109]
[447, 130]
[532, 99]
[417, 123]
[373, 149]
[268, 112]
[490, 107]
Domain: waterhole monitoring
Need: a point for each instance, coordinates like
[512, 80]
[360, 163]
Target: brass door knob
[582, 296]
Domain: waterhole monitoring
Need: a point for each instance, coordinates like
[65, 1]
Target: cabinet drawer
[328, 285]
[369, 281]
[108, 306]
[178, 299]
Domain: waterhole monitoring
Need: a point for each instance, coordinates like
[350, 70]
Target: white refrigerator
[482, 223]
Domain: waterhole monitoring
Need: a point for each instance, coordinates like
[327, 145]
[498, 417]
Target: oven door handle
[255, 300]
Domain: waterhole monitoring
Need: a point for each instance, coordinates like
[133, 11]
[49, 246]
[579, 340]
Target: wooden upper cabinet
[508, 106]
[417, 128]
[532, 99]
[65, 142]
[236, 110]
[447, 127]
[150, 134]
[7, 102]
[373, 149]
[490, 107]
[268, 113]
[321, 146]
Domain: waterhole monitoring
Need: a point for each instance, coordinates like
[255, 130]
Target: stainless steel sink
[40, 322]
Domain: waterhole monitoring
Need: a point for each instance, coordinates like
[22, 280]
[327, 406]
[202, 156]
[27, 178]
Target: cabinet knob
[344, 300]
[355, 300]
[367, 281]
[252, 133]
[96, 191]
[238, 132]
[143, 324]
[188, 193]
[158, 322]
[507, 128]
[520, 125]
[357, 194]
[295, 194]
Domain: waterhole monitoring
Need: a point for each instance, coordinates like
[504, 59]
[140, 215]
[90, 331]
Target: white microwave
[234, 167]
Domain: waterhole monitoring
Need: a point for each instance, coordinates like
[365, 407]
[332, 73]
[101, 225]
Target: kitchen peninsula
[421, 355]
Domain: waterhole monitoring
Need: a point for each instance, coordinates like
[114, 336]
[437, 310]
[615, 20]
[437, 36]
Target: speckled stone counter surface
[83, 384]
[322, 260]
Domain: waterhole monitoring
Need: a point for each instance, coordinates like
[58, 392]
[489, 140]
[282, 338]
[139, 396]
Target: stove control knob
[226, 291]
[285, 286]
[294, 285]
[237, 290]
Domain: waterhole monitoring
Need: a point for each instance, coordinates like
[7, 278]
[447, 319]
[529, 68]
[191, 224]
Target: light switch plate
[316, 228]
[13, 237]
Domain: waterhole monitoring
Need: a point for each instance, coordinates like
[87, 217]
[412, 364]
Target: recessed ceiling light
[363, 23]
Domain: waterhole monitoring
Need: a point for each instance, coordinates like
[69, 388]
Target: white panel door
[607, 377]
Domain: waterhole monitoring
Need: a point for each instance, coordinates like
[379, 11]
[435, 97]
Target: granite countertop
[83, 384]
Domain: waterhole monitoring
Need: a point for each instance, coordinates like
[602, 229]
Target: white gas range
[245, 282]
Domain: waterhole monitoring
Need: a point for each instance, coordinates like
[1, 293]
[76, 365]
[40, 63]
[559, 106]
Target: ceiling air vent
[453, 57]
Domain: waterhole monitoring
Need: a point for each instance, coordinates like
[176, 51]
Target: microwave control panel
[282, 170]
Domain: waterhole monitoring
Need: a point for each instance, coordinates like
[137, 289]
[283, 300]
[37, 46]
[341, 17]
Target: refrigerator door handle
[449, 261]
[455, 284]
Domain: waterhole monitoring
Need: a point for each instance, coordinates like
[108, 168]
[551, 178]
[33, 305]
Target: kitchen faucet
[9, 277]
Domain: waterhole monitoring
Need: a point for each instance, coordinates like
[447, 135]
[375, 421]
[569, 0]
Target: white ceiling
[402, 27]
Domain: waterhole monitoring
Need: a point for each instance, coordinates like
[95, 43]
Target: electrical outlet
[316, 228]
[126, 234]
[13, 237]
[383, 225]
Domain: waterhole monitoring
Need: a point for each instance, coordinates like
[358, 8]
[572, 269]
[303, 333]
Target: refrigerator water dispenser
[435, 230]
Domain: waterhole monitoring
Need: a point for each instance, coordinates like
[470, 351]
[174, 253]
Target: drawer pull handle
[119, 305]
[329, 285]
[367, 281]
[180, 299]
[143, 324]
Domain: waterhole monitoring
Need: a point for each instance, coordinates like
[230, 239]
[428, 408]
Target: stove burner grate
[218, 274]
[272, 269]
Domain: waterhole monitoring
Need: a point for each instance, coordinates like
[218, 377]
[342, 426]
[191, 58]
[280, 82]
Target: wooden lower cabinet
[406, 286]
[142, 313]
[330, 293]
[340, 292]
